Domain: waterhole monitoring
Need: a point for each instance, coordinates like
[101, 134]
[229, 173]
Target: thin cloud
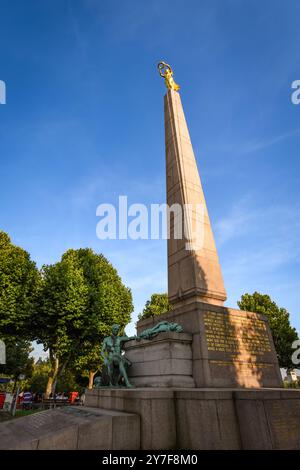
[248, 218]
[254, 146]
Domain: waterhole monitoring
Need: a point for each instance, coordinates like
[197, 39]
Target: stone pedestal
[269, 419]
[230, 348]
[164, 361]
[208, 419]
[155, 407]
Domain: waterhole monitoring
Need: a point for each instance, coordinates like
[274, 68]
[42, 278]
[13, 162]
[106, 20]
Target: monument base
[164, 361]
[230, 347]
[214, 419]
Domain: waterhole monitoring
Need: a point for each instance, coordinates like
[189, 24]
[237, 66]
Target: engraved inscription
[243, 366]
[236, 334]
[284, 423]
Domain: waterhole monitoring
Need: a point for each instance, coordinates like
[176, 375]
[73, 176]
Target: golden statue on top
[166, 72]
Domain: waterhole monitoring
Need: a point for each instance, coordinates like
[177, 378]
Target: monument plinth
[230, 348]
[165, 361]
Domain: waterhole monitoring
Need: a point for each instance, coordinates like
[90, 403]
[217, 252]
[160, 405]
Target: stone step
[72, 428]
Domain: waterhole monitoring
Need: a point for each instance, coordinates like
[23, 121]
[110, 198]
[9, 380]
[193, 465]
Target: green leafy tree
[279, 320]
[89, 361]
[59, 318]
[19, 281]
[39, 378]
[81, 297]
[66, 382]
[109, 302]
[18, 360]
[158, 304]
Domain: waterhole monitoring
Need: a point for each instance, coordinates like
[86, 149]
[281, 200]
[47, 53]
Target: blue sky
[83, 124]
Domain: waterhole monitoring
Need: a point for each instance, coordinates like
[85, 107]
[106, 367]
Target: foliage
[66, 382]
[19, 281]
[59, 317]
[88, 358]
[158, 304]
[287, 384]
[39, 378]
[18, 360]
[283, 333]
[69, 307]
[81, 297]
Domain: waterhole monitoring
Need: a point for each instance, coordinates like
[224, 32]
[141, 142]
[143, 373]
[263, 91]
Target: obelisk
[230, 348]
[194, 272]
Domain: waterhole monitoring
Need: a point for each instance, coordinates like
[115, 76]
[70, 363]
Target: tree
[158, 304]
[81, 297]
[19, 281]
[39, 378]
[109, 302]
[89, 361]
[18, 360]
[283, 333]
[60, 315]
[67, 382]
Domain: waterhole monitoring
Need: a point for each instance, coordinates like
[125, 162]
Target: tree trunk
[53, 388]
[60, 370]
[91, 379]
[48, 390]
[56, 371]
[53, 375]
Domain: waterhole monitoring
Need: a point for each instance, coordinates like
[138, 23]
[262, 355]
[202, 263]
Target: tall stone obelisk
[229, 347]
[193, 272]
